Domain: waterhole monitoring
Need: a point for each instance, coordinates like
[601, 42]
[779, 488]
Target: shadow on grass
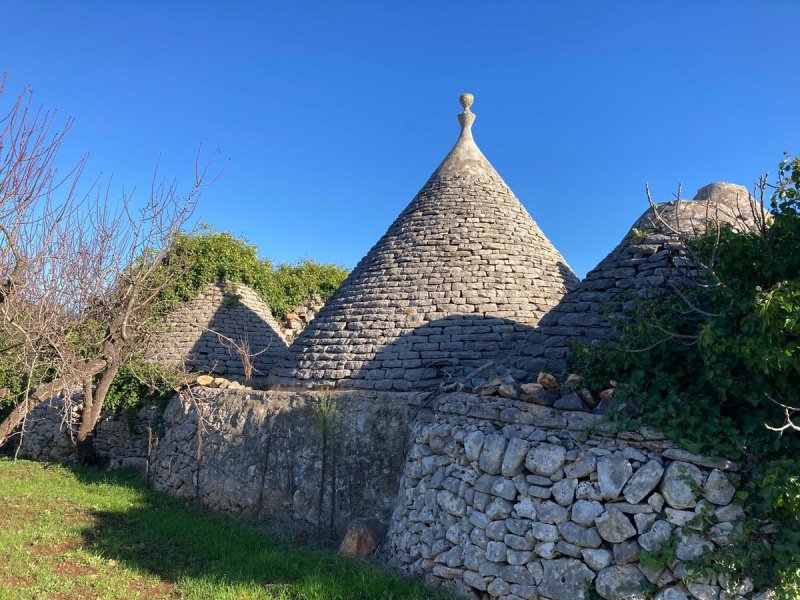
[209, 554]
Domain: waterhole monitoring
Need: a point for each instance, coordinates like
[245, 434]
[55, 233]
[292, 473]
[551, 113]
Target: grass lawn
[84, 533]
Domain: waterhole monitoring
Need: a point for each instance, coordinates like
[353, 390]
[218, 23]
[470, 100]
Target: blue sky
[333, 114]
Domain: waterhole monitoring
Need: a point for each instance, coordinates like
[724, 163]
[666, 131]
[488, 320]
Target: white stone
[642, 482]
[671, 593]
[473, 444]
[691, 547]
[718, 489]
[614, 527]
[565, 579]
[702, 591]
[491, 458]
[550, 512]
[621, 583]
[659, 532]
[675, 486]
[496, 551]
[584, 512]
[526, 509]
[582, 467]
[451, 503]
[474, 580]
[613, 472]
[597, 558]
[514, 458]
[545, 459]
[564, 491]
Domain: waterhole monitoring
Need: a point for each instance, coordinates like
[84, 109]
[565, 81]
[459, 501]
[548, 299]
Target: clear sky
[334, 114]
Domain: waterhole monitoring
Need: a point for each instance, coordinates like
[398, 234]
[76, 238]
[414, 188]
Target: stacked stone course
[461, 275]
[650, 260]
[517, 501]
[204, 333]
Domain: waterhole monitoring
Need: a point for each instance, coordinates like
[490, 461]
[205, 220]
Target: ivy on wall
[717, 368]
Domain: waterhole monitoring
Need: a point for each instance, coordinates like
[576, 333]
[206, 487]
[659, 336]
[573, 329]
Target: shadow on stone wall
[438, 352]
[306, 462]
[233, 329]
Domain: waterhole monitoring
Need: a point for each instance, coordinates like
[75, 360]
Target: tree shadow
[178, 541]
[438, 351]
[220, 338]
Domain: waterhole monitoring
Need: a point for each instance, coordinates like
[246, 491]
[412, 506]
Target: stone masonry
[503, 499]
[650, 260]
[496, 488]
[462, 274]
[204, 334]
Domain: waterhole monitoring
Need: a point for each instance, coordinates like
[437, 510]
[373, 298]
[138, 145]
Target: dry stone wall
[263, 453]
[503, 499]
[208, 332]
[50, 430]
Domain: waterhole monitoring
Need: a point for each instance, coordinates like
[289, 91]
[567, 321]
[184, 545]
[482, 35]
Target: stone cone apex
[210, 332]
[649, 260]
[462, 274]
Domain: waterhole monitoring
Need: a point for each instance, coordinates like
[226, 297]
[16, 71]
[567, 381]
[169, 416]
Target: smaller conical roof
[649, 258]
[461, 274]
[210, 332]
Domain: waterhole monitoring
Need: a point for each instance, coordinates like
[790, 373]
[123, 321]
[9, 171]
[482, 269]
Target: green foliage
[140, 382]
[709, 369]
[662, 557]
[125, 540]
[210, 255]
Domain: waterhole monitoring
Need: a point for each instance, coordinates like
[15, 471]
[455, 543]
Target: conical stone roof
[651, 259]
[461, 274]
[211, 332]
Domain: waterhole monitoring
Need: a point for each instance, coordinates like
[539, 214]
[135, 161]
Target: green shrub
[140, 382]
[711, 369]
[210, 255]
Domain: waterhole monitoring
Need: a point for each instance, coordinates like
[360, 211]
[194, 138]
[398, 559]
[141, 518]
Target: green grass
[84, 533]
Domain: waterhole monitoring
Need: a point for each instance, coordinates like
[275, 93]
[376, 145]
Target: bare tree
[82, 278]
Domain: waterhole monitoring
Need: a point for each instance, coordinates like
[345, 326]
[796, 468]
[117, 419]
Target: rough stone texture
[203, 334]
[461, 275]
[259, 452]
[649, 258]
[621, 583]
[50, 432]
[510, 529]
[676, 485]
[362, 537]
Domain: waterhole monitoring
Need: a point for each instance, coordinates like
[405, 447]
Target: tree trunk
[96, 399]
[17, 416]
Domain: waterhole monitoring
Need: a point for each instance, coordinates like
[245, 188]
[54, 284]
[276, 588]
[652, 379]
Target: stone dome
[649, 258]
[211, 332]
[461, 274]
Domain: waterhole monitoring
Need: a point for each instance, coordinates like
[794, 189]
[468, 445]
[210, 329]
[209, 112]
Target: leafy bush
[141, 382]
[713, 368]
[210, 255]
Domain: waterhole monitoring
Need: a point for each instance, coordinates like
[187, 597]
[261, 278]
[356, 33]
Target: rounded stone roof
[649, 258]
[211, 332]
[462, 273]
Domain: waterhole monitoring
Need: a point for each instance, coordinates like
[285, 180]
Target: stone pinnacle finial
[467, 117]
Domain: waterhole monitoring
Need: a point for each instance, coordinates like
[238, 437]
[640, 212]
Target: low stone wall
[497, 498]
[49, 434]
[318, 459]
[308, 461]
[511, 500]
